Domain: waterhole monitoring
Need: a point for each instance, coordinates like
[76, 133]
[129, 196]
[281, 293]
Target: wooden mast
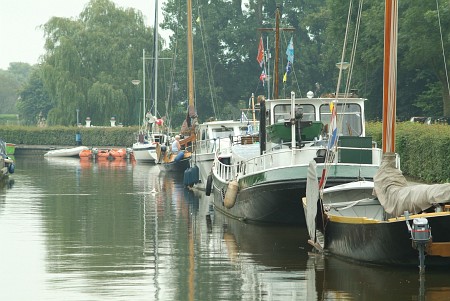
[190, 59]
[390, 75]
[277, 51]
[277, 48]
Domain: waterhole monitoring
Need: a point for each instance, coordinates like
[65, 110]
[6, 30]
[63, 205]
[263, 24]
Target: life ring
[208, 187]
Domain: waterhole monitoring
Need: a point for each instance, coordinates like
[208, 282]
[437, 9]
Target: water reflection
[330, 278]
[76, 230]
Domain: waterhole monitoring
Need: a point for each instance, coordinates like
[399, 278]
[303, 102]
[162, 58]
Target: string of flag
[290, 59]
[261, 62]
[260, 59]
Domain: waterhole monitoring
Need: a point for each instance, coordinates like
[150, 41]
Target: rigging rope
[442, 46]
[330, 154]
[207, 61]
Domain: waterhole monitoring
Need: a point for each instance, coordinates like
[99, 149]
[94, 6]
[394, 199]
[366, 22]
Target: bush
[423, 149]
[65, 136]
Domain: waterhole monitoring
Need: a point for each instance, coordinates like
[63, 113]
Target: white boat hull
[66, 152]
[144, 152]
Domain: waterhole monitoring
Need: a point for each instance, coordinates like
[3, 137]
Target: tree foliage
[90, 61]
[11, 82]
[34, 102]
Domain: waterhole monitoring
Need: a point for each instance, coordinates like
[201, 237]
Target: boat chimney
[262, 123]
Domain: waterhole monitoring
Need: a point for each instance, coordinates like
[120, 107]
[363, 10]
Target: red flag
[260, 56]
[262, 77]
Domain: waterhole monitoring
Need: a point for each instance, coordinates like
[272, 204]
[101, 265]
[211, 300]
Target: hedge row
[424, 149]
[65, 136]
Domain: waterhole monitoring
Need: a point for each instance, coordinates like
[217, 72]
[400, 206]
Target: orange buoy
[86, 153]
[118, 153]
[103, 153]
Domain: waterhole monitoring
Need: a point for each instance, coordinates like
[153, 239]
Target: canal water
[83, 230]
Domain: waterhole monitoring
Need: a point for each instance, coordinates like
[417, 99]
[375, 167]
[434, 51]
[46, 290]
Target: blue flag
[290, 52]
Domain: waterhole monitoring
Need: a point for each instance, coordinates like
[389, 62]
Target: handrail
[281, 159]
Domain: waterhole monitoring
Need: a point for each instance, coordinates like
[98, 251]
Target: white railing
[280, 159]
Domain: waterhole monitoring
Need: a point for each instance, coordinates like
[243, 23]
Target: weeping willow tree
[90, 61]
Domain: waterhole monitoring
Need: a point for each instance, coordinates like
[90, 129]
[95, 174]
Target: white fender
[231, 194]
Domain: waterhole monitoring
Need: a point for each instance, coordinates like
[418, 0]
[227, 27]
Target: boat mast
[277, 50]
[277, 47]
[190, 59]
[156, 39]
[143, 88]
[390, 75]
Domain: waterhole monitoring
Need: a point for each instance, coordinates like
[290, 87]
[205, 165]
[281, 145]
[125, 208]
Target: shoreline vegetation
[424, 149]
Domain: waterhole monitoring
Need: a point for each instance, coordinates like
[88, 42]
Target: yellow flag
[285, 77]
[198, 19]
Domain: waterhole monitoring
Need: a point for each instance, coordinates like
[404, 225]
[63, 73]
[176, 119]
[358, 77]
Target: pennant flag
[262, 77]
[290, 59]
[243, 117]
[290, 52]
[260, 56]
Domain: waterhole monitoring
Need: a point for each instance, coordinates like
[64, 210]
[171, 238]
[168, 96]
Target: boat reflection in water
[270, 260]
[330, 278]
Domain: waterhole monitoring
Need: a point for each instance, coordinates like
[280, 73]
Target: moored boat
[350, 222]
[86, 153]
[176, 161]
[7, 165]
[264, 182]
[180, 161]
[66, 152]
[400, 224]
[10, 148]
[213, 136]
[269, 178]
[118, 153]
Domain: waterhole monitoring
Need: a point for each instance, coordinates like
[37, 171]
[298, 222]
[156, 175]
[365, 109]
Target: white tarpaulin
[396, 196]
[312, 196]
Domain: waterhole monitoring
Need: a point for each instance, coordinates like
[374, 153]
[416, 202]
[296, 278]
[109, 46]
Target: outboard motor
[421, 237]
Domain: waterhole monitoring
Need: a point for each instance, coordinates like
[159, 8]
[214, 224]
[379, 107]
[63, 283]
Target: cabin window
[282, 112]
[223, 132]
[349, 120]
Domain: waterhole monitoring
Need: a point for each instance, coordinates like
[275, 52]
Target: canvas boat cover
[397, 196]
[312, 196]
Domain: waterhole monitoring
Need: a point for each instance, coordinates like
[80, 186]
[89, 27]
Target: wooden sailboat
[180, 161]
[144, 149]
[402, 225]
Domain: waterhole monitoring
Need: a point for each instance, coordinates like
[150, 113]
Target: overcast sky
[22, 40]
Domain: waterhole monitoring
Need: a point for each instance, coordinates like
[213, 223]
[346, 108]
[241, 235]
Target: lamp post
[342, 66]
[78, 112]
[136, 82]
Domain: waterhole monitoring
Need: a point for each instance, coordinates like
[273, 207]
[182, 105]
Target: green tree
[423, 53]
[34, 100]
[90, 62]
[11, 81]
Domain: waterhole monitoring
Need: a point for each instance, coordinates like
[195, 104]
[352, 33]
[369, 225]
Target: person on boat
[176, 147]
[150, 120]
